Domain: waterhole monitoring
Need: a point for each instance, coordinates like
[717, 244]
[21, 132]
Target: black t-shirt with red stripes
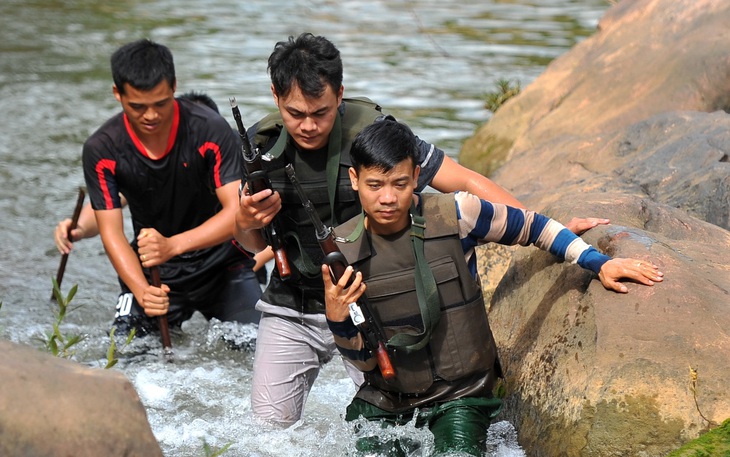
[171, 194]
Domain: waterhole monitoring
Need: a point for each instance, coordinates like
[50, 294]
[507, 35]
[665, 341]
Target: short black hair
[142, 64]
[383, 145]
[312, 62]
[201, 98]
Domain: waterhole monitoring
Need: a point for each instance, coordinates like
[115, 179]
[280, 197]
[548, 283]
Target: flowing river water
[430, 63]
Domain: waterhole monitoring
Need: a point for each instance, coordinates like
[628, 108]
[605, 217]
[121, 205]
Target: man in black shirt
[177, 165]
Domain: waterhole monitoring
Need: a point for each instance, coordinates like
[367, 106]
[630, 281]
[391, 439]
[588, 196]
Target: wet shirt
[174, 193]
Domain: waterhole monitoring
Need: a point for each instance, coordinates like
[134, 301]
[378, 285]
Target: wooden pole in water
[161, 320]
[74, 221]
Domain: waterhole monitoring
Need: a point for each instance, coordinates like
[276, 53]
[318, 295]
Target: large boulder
[596, 373]
[52, 407]
[647, 57]
[631, 124]
[678, 158]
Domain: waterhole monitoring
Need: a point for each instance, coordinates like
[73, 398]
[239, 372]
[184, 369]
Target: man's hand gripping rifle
[360, 312]
[258, 180]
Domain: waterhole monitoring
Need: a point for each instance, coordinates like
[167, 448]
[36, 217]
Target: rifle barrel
[253, 172]
[248, 154]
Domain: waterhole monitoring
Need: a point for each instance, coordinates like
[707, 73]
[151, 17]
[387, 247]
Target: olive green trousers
[458, 425]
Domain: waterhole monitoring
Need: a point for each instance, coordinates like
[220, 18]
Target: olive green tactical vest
[460, 358]
[304, 290]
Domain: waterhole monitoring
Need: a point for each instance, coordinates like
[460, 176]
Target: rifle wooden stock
[258, 180]
[161, 320]
[386, 367]
[362, 315]
[74, 221]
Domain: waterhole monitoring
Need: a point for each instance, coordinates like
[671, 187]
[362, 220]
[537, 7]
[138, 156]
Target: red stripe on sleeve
[210, 146]
[101, 167]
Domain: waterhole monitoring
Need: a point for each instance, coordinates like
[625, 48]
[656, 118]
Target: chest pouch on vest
[426, 291]
[300, 235]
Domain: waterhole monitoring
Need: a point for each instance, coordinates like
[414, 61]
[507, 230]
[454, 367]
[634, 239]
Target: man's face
[309, 120]
[386, 196]
[151, 112]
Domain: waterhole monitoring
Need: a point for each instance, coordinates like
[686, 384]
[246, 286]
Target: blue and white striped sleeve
[482, 222]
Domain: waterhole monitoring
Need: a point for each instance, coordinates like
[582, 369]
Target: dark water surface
[430, 63]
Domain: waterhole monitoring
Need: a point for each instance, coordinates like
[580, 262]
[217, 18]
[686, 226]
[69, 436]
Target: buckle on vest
[417, 228]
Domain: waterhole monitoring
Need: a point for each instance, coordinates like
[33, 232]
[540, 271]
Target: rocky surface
[592, 372]
[52, 407]
[647, 57]
[631, 124]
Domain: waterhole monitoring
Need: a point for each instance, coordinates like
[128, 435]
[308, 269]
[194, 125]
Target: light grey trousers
[290, 350]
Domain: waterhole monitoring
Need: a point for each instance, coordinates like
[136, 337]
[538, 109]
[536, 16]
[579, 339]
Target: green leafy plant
[505, 90]
[111, 352]
[55, 341]
[211, 452]
[714, 443]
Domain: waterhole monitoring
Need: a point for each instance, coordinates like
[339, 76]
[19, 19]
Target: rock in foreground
[52, 407]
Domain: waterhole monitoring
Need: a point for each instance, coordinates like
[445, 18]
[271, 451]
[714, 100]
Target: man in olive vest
[313, 130]
[416, 253]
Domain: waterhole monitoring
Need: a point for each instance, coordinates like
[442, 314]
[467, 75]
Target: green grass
[506, 89]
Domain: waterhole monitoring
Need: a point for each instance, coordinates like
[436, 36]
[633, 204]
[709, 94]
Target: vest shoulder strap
[268, 127]
[359, 113]
[356, 249]
[440, 212]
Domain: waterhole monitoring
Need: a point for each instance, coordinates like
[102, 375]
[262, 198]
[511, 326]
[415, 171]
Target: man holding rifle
[313, 130]
[416, 253]
[177, 164]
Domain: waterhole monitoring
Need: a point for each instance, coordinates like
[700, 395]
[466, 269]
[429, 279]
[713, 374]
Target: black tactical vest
[304, 290]
[460, 358]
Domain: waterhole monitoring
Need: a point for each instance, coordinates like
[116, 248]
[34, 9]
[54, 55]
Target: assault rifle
[258, 180]
[360, 312]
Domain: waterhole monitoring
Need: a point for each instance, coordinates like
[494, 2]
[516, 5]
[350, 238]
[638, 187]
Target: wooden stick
[74, 221]
[161, 320]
